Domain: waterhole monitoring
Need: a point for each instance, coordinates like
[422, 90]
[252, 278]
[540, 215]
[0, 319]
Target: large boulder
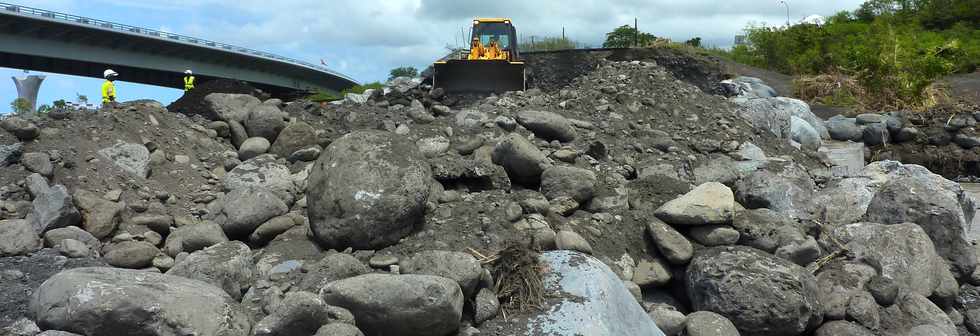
[912, 194]
[253, 147]
[226, 265]
[415, 305]
[131, 158]
[775, 114]
[296, 136]
[130, 254]
[21, 128]
[671, 244]
[299, 313]
[577, 183]
[901, 252]
[230, 106]
[194, 237]
[367, 190]
[244, 209]
[38, 163]
[459, 266]
[876, 135]
[10, 154]
[844, 129]
[523, 161]
[110, 301]
[709, 203]
[766, 230]
[547, 125]
[761, 294]
[915, 315]
[265, 173]
[53, 208]
[706, 323]
[787, 189]
[265, 120]
[17, 237]
[100, 217]
[845, 201]
[804, 134]
[336, 266]
[584, 297]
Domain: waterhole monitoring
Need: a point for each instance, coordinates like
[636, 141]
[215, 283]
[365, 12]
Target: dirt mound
[192, 103]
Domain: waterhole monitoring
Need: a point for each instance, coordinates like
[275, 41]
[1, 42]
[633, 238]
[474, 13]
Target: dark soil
[20, 276]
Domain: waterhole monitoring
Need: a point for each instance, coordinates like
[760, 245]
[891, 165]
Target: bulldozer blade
[464, 76]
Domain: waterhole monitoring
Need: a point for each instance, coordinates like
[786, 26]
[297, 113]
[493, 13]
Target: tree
[44, 108]
[20, 106]
[694, 42]
[403, 72]
[625, 36]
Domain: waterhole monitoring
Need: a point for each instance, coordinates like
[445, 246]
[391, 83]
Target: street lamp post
[787, 11]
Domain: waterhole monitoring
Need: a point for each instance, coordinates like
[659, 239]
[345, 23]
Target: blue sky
[366, 39]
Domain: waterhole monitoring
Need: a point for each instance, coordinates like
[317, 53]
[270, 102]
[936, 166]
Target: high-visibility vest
[108, 91]
[188, 83]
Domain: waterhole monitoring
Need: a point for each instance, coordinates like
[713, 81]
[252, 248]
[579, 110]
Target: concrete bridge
[40, 40]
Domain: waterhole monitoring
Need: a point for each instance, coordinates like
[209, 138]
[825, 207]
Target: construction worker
[109, 88]
[493, 51]
[476, 49]
[188, 80]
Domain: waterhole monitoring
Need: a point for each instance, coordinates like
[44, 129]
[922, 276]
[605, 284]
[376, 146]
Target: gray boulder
[265, 173]
[788, 189]
[299, 313]
[339, 329]
[194, 237]
[336, 266]
[296, 136]
[803, 133]
[672, 244]
[52, 208]
[485, 306]
[706, 323]
[253, 147]
[901, 252]
[237, 132]
[415, 305]
[547, 125]
[912, 194]
[131, 158]
[870, 118]
[270, 229]
[577, 183]
[471, 119]
[584, 297]
[17, 237]
[522, 160]
[737, 282]
[10, 154]
[306, 154]
[230, 106]
[754, 87]
[915, 315]
[78, 300]
[876, 135]
[459, 266]
[100, 217]
[38, 163]
[709, 203]
[846, 201]
[244, 209]
[54, 237]
[265, 120]
[670, 321]
[367, 190]
[842, 328]
[433, 146]
[130, 254]
[226, 265]
[844, 129]
[714, 235]
[774, 114]
[21, 128]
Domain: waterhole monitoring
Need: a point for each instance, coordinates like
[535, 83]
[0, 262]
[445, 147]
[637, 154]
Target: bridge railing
[80, 20]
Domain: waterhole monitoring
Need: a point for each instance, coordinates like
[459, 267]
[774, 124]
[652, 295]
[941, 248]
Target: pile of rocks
[660, 210]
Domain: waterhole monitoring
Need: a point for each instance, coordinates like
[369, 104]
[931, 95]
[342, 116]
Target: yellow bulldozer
[492, 64]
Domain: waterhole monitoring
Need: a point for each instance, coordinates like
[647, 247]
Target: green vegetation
[20, 106]
[893, 49]
[626, 36]
[44, 109]
[548, 43]
[324, 96]
[403, 72]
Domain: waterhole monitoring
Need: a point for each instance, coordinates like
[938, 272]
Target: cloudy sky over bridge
[365, 39]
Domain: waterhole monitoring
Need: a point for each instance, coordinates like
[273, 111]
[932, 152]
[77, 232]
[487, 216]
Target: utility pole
[636, 32]
[787, 12]
[563, 33]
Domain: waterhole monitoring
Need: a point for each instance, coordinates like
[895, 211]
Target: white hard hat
[109, 73]
[189, 72]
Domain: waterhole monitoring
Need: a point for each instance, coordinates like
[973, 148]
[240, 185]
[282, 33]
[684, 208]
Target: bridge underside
[57, 47]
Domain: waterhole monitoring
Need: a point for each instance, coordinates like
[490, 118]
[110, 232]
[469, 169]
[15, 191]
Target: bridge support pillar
[27, 88]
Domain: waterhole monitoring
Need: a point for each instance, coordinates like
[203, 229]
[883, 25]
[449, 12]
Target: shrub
[20, 106]
[403, 72]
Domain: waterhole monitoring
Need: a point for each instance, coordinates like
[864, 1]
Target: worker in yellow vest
[109, 88]
[188, 80]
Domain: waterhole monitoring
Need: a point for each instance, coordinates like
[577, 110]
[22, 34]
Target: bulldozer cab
[493, 65]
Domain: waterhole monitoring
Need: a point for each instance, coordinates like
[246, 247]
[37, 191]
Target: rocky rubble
[659, 209]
